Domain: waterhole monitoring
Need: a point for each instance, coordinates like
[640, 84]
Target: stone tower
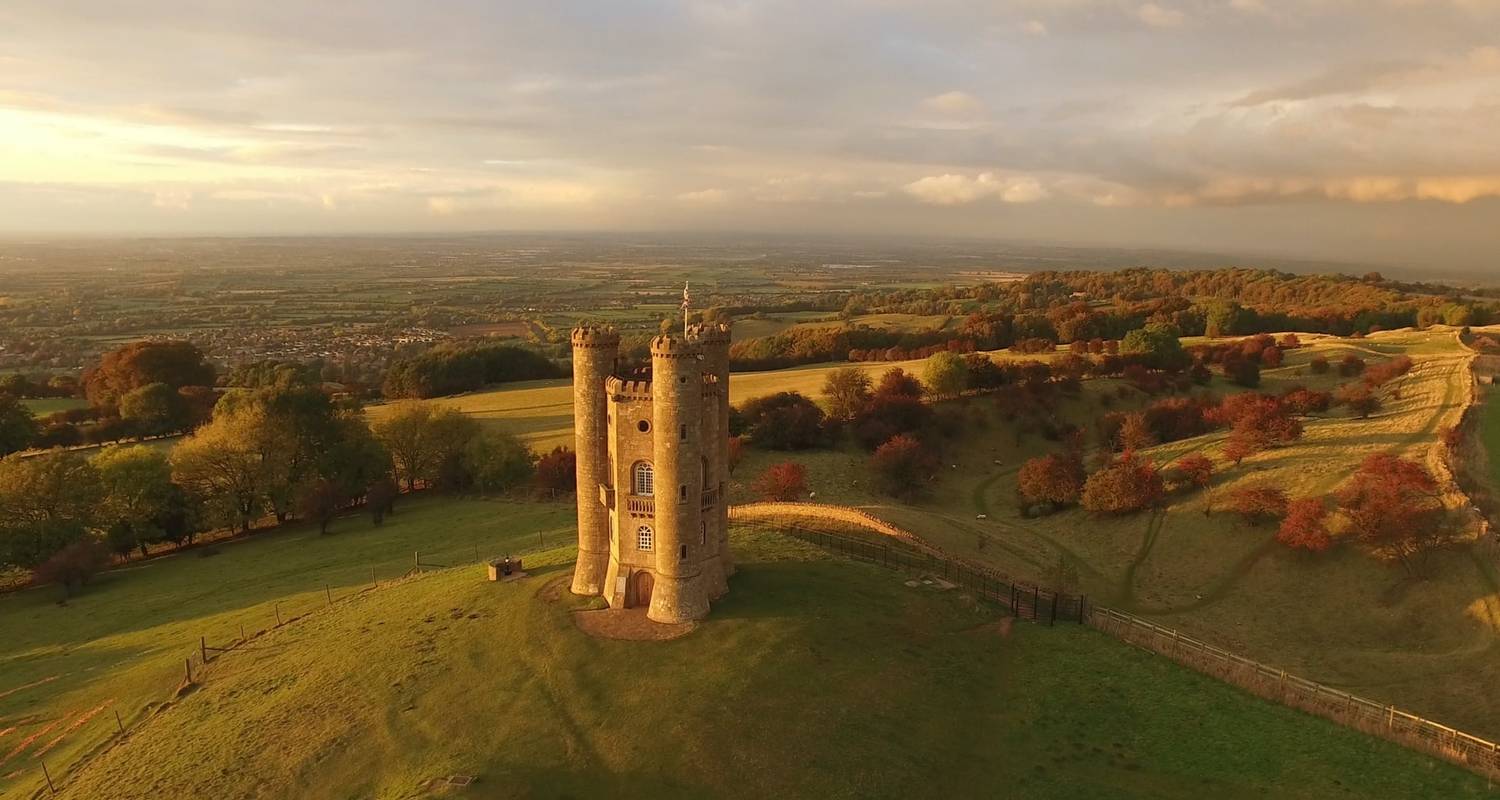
[595, 351]
[652, 466]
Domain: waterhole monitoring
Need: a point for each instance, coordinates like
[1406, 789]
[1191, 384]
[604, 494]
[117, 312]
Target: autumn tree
[557, 471]
[1055, 480]
[1305, 526]
[1393, 506]
[120, 371]
[785, 481]
[1130, 483]
[320, 502]
[74, 565]
[1357, 397]
[903, 467]
[1195, 469]
[154, 409]
[1135, 433]
[896, 382]
[425, 440]
[1257, 504]
[847, 390]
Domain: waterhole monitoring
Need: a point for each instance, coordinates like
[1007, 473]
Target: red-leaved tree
[1258, 504]
[1394, 508]
[1305, 526]
[1130, 483]
[903, 467]
[785, 481]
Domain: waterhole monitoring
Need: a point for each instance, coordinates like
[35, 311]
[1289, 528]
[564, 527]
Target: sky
[1363, 130]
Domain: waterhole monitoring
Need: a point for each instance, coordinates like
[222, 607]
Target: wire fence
[1380, 719]
[1386, 721]
[1024, 600]
[100, 731]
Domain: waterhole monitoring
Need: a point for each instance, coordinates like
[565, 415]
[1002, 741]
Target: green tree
[1221, 318]
[17, 426]
[1158, 343]
[497, 462]
[946, 374]
[424, 440]
[154, 409]
[137, 494]
[847, 391]
[46, 503]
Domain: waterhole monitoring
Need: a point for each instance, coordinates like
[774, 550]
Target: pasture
[1341, 618]
[814, 677]
[42, 406]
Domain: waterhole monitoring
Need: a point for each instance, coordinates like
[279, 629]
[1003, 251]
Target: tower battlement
[709, 333]
[619, 388]
[592, 336]
[671, 345]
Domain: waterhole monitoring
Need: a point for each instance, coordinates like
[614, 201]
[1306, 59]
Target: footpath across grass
[815, 677]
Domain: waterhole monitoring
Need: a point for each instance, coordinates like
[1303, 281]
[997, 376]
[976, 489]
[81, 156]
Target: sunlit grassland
[815, 677]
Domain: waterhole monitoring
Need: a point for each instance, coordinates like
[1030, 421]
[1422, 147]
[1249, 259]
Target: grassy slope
[815, 677]
[1341, 618]
[1489, 432]
[124, 640]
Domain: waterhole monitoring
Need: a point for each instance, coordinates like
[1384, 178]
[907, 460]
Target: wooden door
[643, 584]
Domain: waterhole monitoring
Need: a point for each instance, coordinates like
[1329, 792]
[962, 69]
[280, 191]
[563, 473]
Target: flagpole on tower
[686, 298]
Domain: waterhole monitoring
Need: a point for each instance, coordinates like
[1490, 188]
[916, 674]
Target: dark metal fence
[1024, 600]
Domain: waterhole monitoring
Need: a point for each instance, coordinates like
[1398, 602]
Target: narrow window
[643, 537]
[682, 554]
[644, 481]
[704, 537]
[682, 493]
[683, 433]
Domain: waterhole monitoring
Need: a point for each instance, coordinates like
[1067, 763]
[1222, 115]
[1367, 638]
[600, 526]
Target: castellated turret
[652, 475]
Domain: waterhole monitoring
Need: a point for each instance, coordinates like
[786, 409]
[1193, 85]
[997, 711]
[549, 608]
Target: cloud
[704, 197]
[954, 103]
[951, 189]
[1160, 16]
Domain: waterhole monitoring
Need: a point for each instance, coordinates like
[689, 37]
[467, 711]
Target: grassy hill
[1340, 618]
[815, 677]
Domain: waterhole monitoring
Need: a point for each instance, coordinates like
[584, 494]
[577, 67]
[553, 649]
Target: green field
[42, 406]
[1489, 431]
[816, 677]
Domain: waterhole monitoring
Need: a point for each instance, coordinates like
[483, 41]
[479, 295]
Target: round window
[643, 426]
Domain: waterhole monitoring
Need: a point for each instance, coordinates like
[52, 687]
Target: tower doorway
[643, 585]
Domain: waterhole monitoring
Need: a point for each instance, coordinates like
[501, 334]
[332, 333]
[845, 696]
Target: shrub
[1319, 365]
[1306, 401]
[783, 421]
[1351, 365]
[1196, 469]
[1128, 484]
[903, 467]
[73, 566]
[1054, 479]
[1305, 526]
[1358, 398]
[785, 481]
[1258, 503]
[557, 471]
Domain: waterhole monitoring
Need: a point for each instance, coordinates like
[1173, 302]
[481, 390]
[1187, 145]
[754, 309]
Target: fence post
[277, 607]
[1036, 598]
[189, 663]
[1053, 619]
[416, 561]
[48, 775]
[118, 723]
[203, 648]
[1082, 607]
[242, 632]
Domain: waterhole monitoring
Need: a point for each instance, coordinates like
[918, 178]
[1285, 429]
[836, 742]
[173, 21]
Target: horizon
[1095, 123]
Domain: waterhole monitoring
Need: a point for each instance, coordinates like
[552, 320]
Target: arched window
[643, 480]
[643, 537]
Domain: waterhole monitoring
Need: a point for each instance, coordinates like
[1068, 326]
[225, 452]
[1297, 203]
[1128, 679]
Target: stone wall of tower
[713, 339]
[677, 409]
[595, 351]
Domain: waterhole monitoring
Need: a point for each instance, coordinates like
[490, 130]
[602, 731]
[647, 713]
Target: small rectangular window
[684, 433]
[704, 538]
[682, 493]
[682, 554]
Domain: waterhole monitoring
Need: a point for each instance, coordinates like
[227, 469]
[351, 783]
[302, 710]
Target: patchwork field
[821, 678]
